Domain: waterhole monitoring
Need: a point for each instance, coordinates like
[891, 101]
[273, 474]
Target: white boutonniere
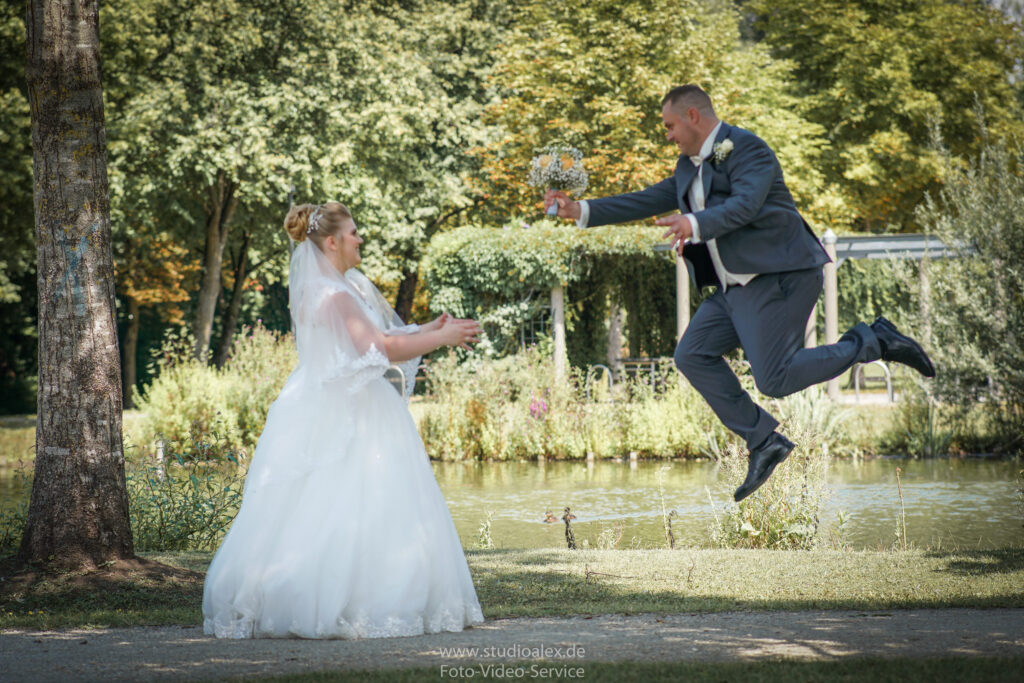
[721, 150]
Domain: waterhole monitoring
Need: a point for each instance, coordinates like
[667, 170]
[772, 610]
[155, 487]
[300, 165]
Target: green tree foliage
[17, 246]
[592, 75]
[219, 108]
[875, 75]
[972, 314]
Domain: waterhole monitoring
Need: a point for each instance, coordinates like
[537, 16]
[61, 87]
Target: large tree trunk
[227, 335]
[78, 512]
[406, 295]
[131, 349]
[220, 207]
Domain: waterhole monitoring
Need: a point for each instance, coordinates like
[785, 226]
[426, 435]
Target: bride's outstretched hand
[461, 332]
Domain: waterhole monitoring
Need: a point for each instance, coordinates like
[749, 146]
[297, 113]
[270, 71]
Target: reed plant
[784, 514]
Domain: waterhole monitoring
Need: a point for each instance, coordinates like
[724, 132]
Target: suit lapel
[723, 133]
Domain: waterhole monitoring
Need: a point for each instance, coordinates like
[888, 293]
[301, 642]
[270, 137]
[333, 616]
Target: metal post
[926, 296]
[831, 304]
[811, 329]
[682, 296]
[558, 317]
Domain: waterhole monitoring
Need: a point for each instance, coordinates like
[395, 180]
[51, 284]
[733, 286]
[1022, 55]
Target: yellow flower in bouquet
[568, 175]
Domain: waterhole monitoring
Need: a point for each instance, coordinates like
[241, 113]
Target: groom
[741, 232]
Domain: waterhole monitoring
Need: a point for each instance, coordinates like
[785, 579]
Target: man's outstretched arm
[622, 208]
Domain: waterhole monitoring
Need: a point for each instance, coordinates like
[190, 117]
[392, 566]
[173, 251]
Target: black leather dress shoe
[763, 461]
[899, 348]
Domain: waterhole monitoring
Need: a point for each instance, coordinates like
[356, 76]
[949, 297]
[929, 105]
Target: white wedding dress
[343, 531]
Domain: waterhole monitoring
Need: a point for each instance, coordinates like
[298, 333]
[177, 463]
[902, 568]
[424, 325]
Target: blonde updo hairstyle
[332, 216]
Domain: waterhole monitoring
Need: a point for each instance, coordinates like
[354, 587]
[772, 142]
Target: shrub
[184, 500]
[233, 400]
[970, 313]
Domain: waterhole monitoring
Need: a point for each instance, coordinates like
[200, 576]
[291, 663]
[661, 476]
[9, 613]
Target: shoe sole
[917, 347]
[768, 475]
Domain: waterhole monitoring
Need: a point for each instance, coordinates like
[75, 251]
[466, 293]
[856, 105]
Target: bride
[342, 532]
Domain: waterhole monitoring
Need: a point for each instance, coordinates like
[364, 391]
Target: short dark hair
[689, 96]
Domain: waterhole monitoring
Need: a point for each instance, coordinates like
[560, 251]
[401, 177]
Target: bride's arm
[452, 333]
[398, 348]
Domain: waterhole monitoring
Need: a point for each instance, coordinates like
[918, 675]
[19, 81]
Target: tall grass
[785, 512]
[179, 499]
[512, 408]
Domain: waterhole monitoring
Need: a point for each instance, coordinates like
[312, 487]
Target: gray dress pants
[766, 318]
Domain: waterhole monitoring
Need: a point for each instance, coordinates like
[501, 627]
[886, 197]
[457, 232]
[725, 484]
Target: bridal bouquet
[558, 167]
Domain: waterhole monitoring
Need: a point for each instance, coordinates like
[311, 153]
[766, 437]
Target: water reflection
[958, 502]
[955, 502]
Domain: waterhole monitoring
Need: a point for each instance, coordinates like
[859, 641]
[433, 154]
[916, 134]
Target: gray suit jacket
[748, 210]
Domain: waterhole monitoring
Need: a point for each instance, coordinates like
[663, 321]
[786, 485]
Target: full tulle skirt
[343, 531]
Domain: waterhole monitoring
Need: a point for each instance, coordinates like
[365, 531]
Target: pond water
[950, 502]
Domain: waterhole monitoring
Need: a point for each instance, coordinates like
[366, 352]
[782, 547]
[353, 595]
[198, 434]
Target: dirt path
[184, 653]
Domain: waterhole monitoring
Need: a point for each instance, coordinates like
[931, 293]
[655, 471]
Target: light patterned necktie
[698, 183]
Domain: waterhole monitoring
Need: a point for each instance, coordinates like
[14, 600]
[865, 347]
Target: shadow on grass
[560, 583]
[126, 593]
[978, 562]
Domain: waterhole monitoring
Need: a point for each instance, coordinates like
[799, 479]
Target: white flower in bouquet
[559, 167]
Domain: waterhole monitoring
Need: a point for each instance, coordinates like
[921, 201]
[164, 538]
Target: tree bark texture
[220, 207]
[78, 511]
[227, 335]
[406, 295]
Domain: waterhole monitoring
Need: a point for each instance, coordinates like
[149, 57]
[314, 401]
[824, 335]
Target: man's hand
[679, 227]
[567, 208]
[436, 323]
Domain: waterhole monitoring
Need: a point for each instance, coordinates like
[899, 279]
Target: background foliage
[876, 76]
[592, 75]
[972, 311]
[600, 267]
[422, 115]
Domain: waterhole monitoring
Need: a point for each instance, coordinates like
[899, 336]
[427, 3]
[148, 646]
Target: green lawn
[513, 583]
[18, 436]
